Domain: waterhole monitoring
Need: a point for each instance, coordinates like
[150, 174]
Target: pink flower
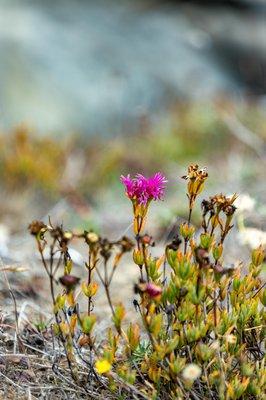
[130, 185]
[144, 189]
[156, 186]
[153, 290]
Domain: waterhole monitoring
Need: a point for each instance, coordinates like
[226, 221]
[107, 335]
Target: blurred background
[94, 89]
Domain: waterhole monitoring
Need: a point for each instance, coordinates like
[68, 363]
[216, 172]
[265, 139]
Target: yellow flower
[102, 366]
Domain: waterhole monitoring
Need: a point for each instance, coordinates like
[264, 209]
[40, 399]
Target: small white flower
[191, 372]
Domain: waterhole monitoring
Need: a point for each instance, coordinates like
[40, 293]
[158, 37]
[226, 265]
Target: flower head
[191, 372]
[102, 366]
[143, 189]
[153, 290]
[69, 281]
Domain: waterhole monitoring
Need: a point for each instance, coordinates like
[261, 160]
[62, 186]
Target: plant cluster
[54, 164]
[27, 160]
[202, 324]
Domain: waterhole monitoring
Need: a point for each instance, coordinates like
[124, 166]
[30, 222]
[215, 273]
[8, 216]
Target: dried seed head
[57, 233]
[126, 244]
[91, 237]
[37, 227]
[202, 256]
[69, 281]
[224, 203]
[67, 235]
[106, 248]
[207, 207]
[196, 178]
[193, 168]
[218, 267]
[229, 210]
[174, 245]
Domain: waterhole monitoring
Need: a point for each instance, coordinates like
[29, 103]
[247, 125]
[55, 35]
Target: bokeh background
[94, 89]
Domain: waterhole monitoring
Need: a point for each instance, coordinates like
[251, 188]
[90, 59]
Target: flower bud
[87, 323]
[204, 351]
[37, 227]
[126, 244]
[258, 256]
[236, 284]
[59, 303]
[133, 335]
[263, 297]
[91, 237]
[147, 240]
[153, 290]
[247, 369]
[90, 289]
[187, 231]
[69, 281]
[67, 236]
[217, 252]
[206, 240]
[138, 257]
[202, 257]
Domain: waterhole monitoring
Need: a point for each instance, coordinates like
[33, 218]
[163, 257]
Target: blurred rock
[100, 67]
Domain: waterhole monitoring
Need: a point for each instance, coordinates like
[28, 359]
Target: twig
[15, 306]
